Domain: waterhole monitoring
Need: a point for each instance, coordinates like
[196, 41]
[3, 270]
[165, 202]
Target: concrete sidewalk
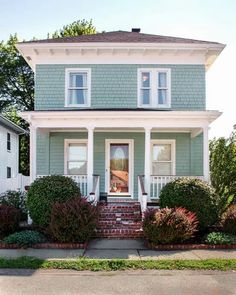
[118, 249]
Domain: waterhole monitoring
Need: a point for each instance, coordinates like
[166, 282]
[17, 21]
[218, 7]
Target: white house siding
[8, 158]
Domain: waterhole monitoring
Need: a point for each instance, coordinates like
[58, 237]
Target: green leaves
[223, 168]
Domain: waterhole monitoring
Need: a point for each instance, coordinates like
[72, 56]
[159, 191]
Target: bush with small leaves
[228, 220]
[219, 238]
[169, 225]
[195, 195]
[73, 221]
[45, 192]
[9, 219]
[25, 238]
[16, 199]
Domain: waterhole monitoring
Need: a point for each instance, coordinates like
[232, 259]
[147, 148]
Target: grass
[117, 264]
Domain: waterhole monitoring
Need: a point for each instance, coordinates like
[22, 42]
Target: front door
[119, 167]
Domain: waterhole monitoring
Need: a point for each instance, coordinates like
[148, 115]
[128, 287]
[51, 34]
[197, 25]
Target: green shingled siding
[50, 152]
[115, 86]
[197, 155]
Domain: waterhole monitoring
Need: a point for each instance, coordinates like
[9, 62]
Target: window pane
[162, 96]
[145, 95]
[77, 168]
[78, 80]
[162, 80]
[146, 79]
[161, 168]
[8, 172]
[77, 96]
[162, 152]
[77, 152]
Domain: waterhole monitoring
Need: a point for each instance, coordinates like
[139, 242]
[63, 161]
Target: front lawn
[117, 264]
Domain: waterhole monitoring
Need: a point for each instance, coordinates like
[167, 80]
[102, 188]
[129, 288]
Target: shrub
[195, 195]
[9, 219]
[73, 221]
[228, 220]
[45, 192]
[217, 238]
[25, 238]
[169, 225]
[16, 199]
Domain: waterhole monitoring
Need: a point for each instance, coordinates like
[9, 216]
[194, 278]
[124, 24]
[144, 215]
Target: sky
[213, 20]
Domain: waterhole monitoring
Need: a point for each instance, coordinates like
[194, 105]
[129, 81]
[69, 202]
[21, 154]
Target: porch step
[119, 220]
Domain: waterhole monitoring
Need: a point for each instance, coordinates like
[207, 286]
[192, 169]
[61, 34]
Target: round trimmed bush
[73, 221]
[169, 225]
[195, 195]
[9, 219]
[25, 238]
[45, 192]
[228, 220]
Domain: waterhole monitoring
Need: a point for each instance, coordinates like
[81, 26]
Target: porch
[119, 147]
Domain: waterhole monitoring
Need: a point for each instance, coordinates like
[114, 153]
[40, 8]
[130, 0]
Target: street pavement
[65, 282]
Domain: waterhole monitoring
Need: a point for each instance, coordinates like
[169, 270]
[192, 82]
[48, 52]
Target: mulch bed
[48, 246]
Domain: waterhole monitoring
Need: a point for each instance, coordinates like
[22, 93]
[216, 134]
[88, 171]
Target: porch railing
[158, 182]
[142, 195]
[95, 194]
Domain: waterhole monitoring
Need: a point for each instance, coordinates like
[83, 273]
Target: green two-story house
[122, 113]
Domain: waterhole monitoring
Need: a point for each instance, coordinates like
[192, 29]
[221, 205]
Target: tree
[17, 81]
[80, 27]
[223, 168]
[16, 78]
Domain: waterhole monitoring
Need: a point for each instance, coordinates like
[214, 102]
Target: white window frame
[66, 154]
[172, 142]
[68, 71]
[154, 87]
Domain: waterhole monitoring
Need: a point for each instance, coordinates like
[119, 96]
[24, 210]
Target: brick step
[119, 215]
[118, 233]
[119, 210]
[120, 226]
[118, 222]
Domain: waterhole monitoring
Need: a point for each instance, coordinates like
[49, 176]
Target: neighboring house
[125, 108]
[10, 178]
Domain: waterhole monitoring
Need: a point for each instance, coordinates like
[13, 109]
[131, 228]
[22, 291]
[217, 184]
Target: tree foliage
[80, 27]
[223, 167]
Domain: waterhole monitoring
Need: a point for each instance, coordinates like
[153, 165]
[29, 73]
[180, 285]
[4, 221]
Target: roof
[121, 37]
[10, 125]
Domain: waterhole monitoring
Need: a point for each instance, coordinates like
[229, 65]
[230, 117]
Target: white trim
[172, 142]
[78, 70]
[206, 172]
[130, 142]
[66, 144]
[154, 87]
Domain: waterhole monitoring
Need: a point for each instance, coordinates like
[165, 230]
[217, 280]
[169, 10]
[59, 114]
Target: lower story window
[8, 172]
[163, 157]
[76, 158]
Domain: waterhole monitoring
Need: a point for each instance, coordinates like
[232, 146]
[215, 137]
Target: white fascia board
[129, 119]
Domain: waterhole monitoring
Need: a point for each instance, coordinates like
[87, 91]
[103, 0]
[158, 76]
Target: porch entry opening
[118, 167]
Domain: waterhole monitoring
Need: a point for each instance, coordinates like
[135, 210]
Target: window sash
[8, 141]
[8, 172]
[80, 157]
[154, 88]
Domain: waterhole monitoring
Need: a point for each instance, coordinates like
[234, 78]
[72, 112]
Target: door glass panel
[119, 168]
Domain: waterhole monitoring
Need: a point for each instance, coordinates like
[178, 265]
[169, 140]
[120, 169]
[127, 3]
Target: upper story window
[8, 172]
[78, 87]
[154, 88]
[8, 141]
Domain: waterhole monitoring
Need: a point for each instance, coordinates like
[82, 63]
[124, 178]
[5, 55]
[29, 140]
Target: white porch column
[90, 159]
[147, 163]
[33, 148]
[206, 154]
